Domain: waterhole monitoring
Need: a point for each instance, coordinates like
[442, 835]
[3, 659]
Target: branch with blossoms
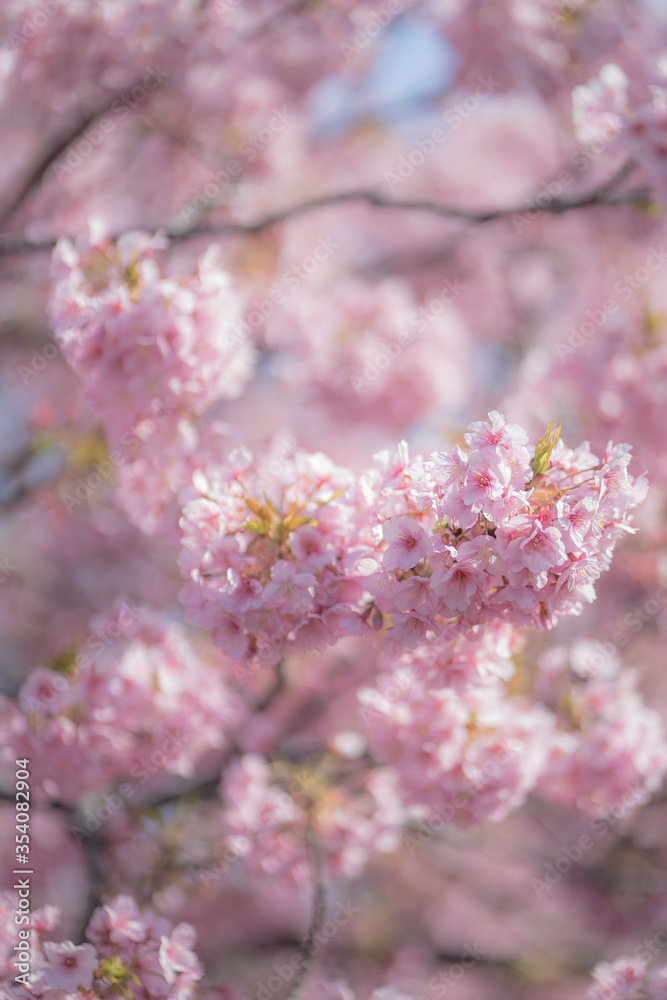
[442, 544]
[278, 680]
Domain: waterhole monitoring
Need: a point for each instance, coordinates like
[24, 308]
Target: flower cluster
[626, 978]
[372, 355]
[270, 816]
[287, 236]
[490, 533]
[608, 750]
[147, 702]
[473, 748]
[149, 483]
[294, 559]
[270, 552]
[146, 346]
[619, 374]
[606, 107]
[131, 954]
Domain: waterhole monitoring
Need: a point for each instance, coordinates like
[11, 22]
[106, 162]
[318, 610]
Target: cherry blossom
[333, 535]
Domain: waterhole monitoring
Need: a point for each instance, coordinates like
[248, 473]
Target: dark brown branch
[60, 144]
[600, 197]
[276, 689]
[47, 159]
[93, 849]
[555, 206]
[317, 921]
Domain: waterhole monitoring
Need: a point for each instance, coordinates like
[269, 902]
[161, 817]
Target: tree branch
[600, 197]
[317, 921]
[555, 206]
[56, 148]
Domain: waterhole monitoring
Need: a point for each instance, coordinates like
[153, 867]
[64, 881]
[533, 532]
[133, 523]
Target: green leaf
[114, 972]
[544, 448]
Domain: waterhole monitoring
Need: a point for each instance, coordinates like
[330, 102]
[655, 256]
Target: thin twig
[276, 688]
[56, 148]
[93, 849]
[601, 197]
[317, 921]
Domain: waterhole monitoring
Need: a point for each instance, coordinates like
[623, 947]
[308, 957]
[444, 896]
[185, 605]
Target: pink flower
[494, 436]
[448, 471]
[408, 630]
[617, 980]
[485, 483]
[240, 593]
[310, 547]
[311, 634]
[409, 543]
[119, 922]
[579, 577]
[228, 632]
[457, 584]
[576, 519]
[385, 587]
[70, 965]
[599, 106]
[289, 589]
[178, 337]
[45, 919]
[177, 956]
[262, 821]
[540, 549]
[415, 594]
[44, 692]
